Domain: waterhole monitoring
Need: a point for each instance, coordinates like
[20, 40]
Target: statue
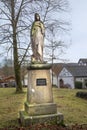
[37, 39]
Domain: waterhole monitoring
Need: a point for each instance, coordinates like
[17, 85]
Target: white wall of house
[79, 79]
[54, 78]
[25, 81]
[83, 80]
[67, 78]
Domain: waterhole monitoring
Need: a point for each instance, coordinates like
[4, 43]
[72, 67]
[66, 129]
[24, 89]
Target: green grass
[10, 105]
[73, 108]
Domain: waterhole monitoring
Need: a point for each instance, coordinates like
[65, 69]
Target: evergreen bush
[78, 85]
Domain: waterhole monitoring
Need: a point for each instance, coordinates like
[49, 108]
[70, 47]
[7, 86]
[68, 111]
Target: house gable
[82, 61]
[64, 72]
[66, 77]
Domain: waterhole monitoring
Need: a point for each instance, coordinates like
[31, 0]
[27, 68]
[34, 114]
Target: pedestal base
[40, 109]
[39, 84]
[27, 120]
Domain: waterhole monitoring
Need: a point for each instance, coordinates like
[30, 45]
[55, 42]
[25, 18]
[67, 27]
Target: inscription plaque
[41, 82]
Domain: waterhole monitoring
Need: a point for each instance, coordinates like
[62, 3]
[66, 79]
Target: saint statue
[37, 38]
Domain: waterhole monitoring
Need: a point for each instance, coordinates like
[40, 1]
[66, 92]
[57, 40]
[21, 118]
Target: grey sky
[78, 49]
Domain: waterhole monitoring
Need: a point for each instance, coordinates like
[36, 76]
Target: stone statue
[37, 39]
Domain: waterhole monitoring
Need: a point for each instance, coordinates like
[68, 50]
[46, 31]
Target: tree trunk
[17, 66]
[17, 69]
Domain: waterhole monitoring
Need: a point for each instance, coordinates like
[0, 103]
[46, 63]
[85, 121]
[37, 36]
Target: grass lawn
[74, 109]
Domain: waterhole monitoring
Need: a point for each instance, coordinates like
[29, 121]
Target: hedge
[82, 95]
[78, 84]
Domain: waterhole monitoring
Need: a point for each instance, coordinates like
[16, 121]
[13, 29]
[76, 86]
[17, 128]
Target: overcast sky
[78, 48]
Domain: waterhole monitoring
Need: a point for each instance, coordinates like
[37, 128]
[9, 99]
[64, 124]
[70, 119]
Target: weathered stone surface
[38, 66]
[49, 119]
[39, 94]
[40, 109]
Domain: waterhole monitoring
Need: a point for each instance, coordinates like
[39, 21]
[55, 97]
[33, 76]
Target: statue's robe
[37, 40]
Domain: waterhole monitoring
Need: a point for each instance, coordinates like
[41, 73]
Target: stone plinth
[39, 107]
[39, 84]
[50, 119]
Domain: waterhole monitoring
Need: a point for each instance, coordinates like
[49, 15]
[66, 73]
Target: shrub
[78, 85]
[82, 95]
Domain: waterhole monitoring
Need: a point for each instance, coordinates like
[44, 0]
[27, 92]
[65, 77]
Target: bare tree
[15, 23]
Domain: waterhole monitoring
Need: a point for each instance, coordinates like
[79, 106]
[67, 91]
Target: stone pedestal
[39, 107]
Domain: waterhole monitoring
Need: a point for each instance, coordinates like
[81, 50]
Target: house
[56, 69]
[65, 79]
[68, 74]
[7, 81]
[82, 61]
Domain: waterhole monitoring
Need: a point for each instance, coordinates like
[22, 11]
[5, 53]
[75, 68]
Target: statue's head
[37, 17]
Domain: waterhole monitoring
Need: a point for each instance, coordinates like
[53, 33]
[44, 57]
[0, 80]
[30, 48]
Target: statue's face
[37, 17]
